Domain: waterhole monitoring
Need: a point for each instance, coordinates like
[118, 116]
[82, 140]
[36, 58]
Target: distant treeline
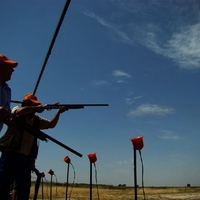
[109, 186]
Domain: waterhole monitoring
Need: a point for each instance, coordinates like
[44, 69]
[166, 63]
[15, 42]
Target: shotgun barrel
[40, 134]
[70, 106]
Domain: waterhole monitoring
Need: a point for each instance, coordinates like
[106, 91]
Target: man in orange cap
[6, 69]
[20, 148]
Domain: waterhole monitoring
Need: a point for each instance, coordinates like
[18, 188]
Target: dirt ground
[160, 193]
[193, 196]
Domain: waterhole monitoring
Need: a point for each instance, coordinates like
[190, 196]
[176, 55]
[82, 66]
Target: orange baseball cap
[4, 59]
[31, 98]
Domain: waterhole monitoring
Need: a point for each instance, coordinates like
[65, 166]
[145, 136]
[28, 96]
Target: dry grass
[82, 192]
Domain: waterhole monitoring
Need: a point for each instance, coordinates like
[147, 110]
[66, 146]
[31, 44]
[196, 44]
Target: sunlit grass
[82, 192]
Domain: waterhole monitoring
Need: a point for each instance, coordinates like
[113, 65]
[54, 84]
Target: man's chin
[7, 79]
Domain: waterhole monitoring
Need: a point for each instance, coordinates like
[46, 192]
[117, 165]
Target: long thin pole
[135, 174]
[42, 189]
[52, 42]
[90, 180]
[37, 184]
[51, 188]
[67, 183]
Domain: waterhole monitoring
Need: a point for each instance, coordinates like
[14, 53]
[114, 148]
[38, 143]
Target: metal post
[135, 174]
[42, 189]
[51, 188]
[67, 183]
[90, 180]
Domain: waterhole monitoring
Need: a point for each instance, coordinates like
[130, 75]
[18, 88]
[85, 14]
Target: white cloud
[129, 101]
[122, 36]
[151, 109]
[177, 38]
[122, 162]
[100, 20]
[182, 47]
[120, 73]
[138, 97]
[178, 159]
[100, 82]
[121, 81]
[169, 135]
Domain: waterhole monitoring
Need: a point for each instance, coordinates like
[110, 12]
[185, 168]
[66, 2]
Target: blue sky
[140, 57]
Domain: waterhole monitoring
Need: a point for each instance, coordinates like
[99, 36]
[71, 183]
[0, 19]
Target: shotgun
[40, 134]
[70, 106]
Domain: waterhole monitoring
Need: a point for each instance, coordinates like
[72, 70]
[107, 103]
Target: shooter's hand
[40, 108]
[3, 112]
[9, 121]
[62, 108]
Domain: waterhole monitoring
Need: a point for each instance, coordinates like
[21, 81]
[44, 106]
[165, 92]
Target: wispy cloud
[124, 162]
[178, 159]
[182, 47]
[120, 74]
[100, 82]
[130, 101]
[177, 38]
[169, 135]
[122, 36]
[138, 97]
[99, 19]
[151, 109]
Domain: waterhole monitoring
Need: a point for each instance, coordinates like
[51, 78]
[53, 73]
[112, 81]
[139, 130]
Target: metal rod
[52, 42]
[90, 180]
[51, 188]
[42, 190]
[67, 183]
[37, 184]
[135, 174]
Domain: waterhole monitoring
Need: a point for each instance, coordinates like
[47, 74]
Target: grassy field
[82, 192]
